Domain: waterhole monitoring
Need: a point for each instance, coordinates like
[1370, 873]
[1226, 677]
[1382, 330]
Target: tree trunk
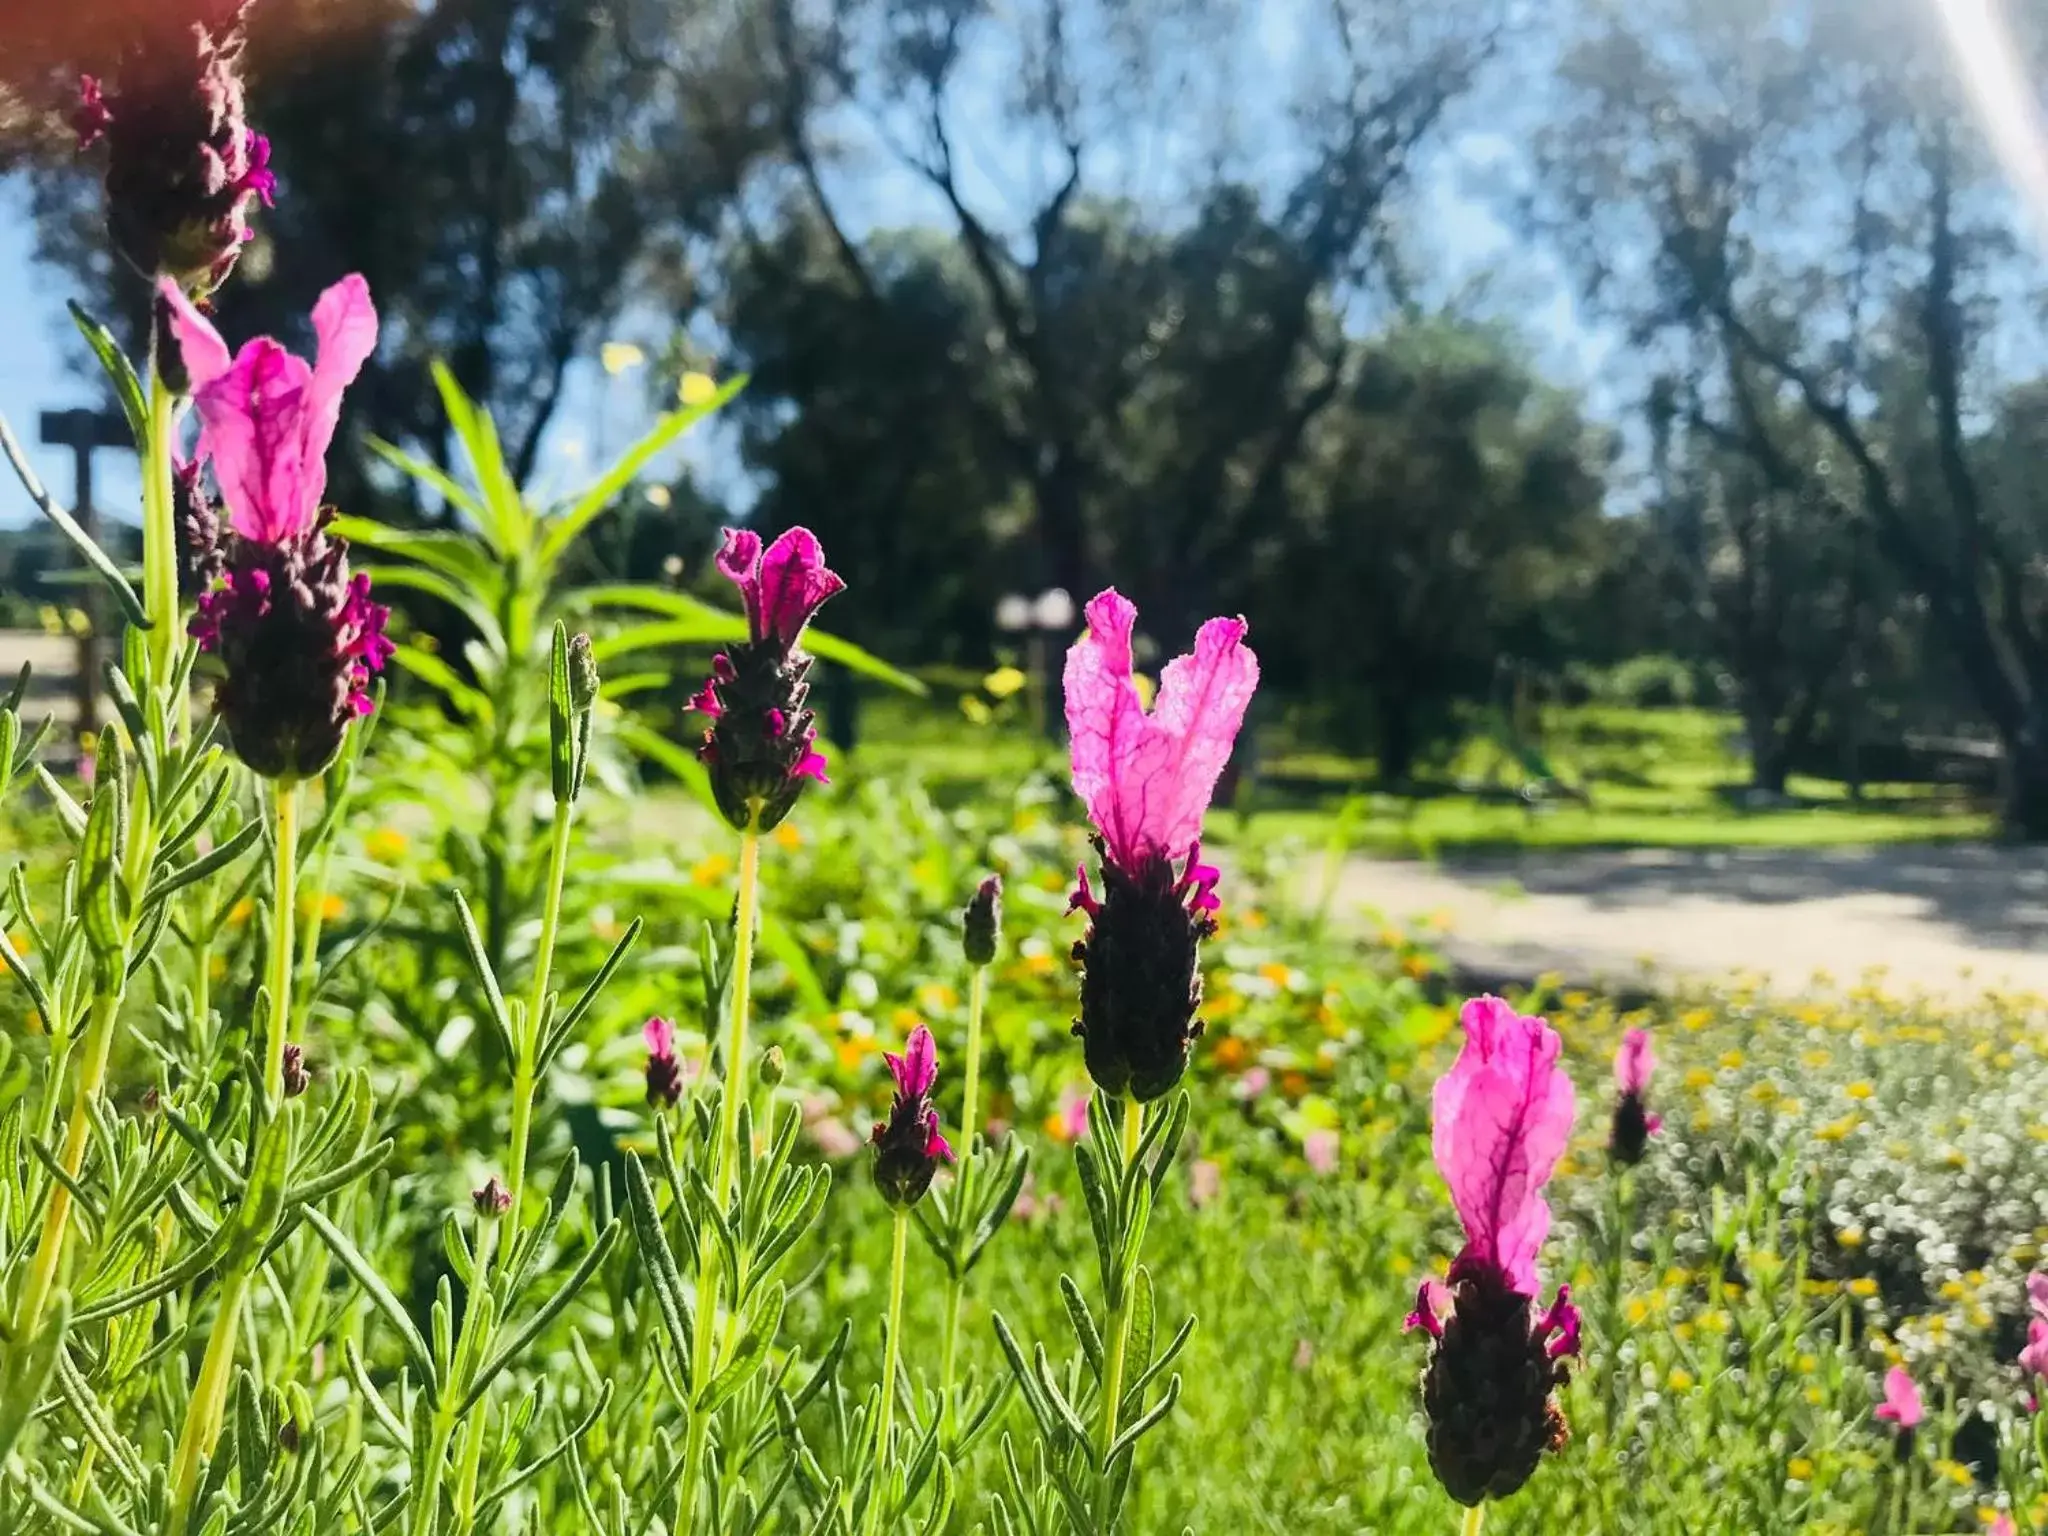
[1769, 752]
[2026, 781]
[1396, 740]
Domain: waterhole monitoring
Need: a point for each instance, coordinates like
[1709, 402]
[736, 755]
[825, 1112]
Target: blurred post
[82, 431]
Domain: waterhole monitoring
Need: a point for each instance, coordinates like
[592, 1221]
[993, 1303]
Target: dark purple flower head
[195, 523]
[183, 164]
[299, 640]
[981, 927]
[908, 1145]
[664, 1072]
[762, 743]
[296, 1078]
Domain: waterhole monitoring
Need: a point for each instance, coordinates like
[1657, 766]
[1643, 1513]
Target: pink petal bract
[918, 1067]
[2033, 1359]
[660, 1037]
[206, 355]
[1503, 1115]
[267, 418]
[1147, 778]
[1901, 1405]
[793, 582]
[1634, 1061]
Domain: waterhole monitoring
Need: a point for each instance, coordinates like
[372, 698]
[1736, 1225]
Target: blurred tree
[1790, 197]
[1768, 573]
[1448, 510]
[1150, 372]
[502, 171]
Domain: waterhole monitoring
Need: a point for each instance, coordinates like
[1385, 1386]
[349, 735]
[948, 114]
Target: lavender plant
[254, 1277]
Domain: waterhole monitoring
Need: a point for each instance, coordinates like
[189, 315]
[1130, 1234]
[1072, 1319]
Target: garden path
[1951, 920]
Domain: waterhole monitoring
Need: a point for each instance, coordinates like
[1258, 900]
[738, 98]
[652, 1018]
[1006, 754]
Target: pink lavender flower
[908, 1145]
[297, 633]
[1901, 1407]
[1147, 778]
[183, 165]
[762, 742]
[2002, 1526]
[2034, 1357]
[1634, 1125]
[1503, 1115]
[1320, 1148]
[664, 1072]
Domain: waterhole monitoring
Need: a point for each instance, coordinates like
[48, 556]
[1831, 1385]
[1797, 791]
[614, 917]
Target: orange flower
[1229, 1053]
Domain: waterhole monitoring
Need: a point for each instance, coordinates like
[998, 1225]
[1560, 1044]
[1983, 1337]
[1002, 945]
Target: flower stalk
[92, 1073]
[725, 1166]
[159, 537]
[208, 1408]
[1474, 1521]
[898, 1258]
[279, 975]
[963, 1200]
[1119, 1330]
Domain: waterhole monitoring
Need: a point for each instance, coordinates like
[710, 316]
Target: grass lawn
[1654, 778]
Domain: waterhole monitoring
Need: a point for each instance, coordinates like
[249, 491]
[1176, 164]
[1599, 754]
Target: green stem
[1617, 1265]
[1119, 1337]
[208, 1408]
[725, 1160]
[525, 1082]
[425, 1506]
[742, 985]
[159, 536]
[92, 1074]
[963, 1212]
[898, 1253]
[1475, 1521]
[284, 904]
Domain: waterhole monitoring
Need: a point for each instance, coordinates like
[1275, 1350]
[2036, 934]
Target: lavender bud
[493, 1200]
[295, 1078]
[982, 926]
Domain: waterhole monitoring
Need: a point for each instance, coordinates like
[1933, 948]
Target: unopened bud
[295, 1078]
[981, 928]
[493, 1200]
[288, 1436]
[582, 672]
[773, 1067]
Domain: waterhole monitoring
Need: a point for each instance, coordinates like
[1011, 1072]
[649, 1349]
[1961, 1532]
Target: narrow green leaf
[481, 963]
[380, 1294]
[1086, 1334]
[210, 862]
[455, 494]
[660, 1262]
[551, 1309]
[95, 558]
[120, 372]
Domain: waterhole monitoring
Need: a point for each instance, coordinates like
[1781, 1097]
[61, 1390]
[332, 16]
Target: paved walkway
[1951, 920]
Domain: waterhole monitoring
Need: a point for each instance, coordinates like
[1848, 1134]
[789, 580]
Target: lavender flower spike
[908, 1145]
